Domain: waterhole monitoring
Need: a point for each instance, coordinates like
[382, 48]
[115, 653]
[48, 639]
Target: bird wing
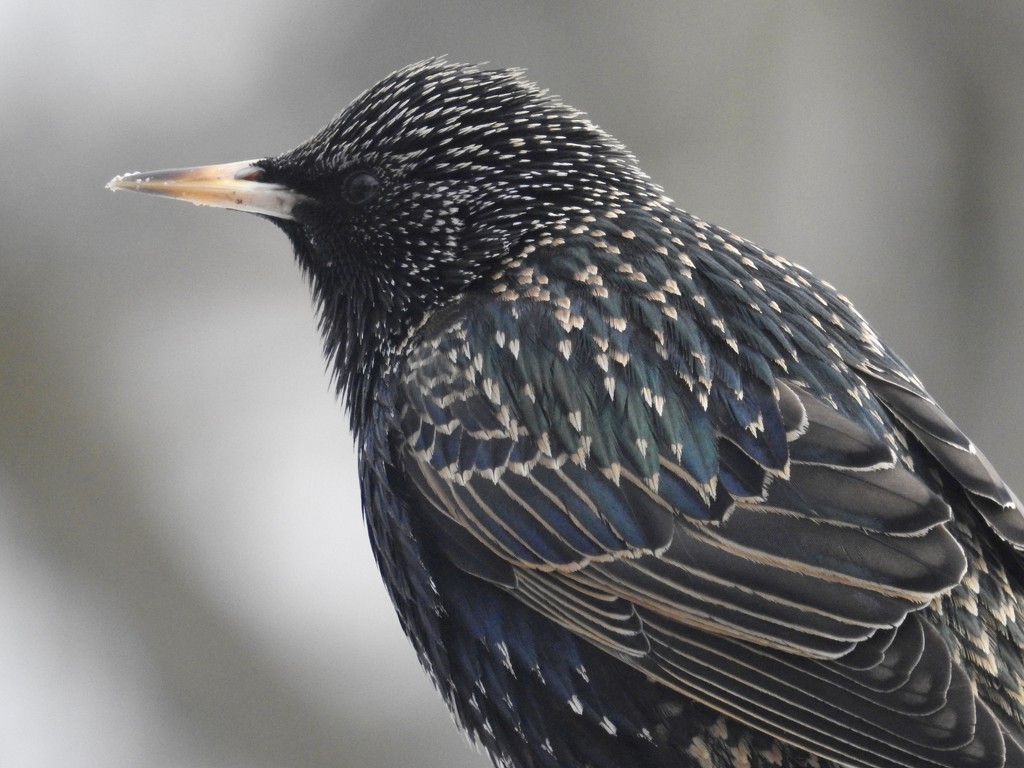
[740, 539]
[941, 438]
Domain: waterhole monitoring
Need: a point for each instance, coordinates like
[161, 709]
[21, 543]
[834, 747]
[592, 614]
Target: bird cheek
[308, 212]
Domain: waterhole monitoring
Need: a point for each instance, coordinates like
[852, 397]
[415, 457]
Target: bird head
[418, 190]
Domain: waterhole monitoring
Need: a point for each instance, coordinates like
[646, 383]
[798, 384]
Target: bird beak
[238, 186]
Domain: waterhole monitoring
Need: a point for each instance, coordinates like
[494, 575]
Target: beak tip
[122, 181]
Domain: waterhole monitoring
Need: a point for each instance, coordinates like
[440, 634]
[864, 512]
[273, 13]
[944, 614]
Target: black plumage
[643, 494]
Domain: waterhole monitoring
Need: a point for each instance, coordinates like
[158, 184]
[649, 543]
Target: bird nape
[643, 494]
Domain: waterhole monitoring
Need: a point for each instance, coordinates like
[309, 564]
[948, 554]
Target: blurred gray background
[184, 575]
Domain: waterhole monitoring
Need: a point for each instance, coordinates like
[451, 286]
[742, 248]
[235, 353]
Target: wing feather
[748, 543]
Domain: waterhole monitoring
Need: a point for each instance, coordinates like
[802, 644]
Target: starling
[643, 494]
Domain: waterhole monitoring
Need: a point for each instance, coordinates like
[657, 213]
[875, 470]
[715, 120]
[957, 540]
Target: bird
[643, 493]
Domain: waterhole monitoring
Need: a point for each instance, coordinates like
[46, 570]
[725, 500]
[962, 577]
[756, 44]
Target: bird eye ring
[361, 187]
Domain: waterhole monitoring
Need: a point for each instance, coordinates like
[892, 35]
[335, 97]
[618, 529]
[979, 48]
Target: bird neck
[362, 329]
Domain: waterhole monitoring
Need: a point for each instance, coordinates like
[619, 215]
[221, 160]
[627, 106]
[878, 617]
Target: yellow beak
[237, 186]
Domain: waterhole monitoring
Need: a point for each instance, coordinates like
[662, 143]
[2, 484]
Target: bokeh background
[184, 575]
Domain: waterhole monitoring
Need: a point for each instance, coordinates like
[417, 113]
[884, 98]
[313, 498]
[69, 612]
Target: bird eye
[361, 187]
